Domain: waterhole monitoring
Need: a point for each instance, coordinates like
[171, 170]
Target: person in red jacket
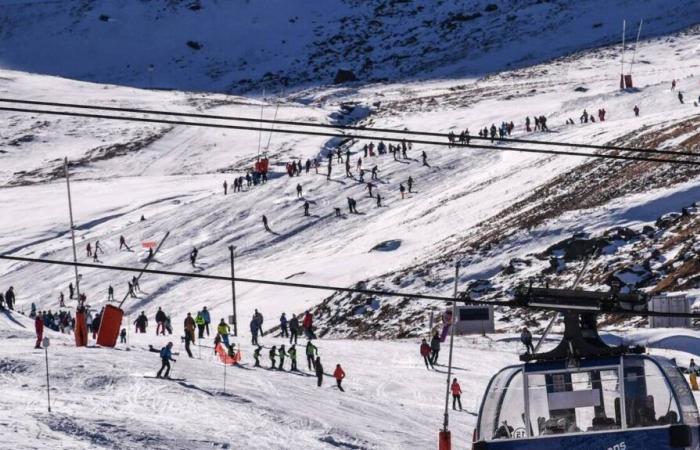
[339, 375]
[308, 324]
[425, 353]
[456, 394]
[39, 327]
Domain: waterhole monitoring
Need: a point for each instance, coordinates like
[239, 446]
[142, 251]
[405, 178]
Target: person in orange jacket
[339, 375]
[456, 394]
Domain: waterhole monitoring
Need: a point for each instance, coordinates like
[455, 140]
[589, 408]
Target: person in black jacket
[319, 371]
[10, 298]
[293, 329]
[160, 320]
[435, 349]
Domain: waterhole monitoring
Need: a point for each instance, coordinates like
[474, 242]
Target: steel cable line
[356, 136]
[348, 128]
[462, 298]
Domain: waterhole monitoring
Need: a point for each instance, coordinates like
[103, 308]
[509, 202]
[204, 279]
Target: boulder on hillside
[344, 76]
[576, 247]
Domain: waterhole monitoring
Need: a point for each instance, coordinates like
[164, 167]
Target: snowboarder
[319, 370]
[39, 328]
[298, 190]
[160, 322]
[293, 329]
[425, 353]
[636, 111]
[189, 333]
[526, 339]
[311, 350]
[256, 355]
[223, 330]
[337, 212]
[456, 394]
[166, 355]
[225, 187]
[435, 349]
[293, 357]
[193, 256]
[283, 326]
[339, 375]
[110, 294]
[264, 221]
[199, 321]
[273, 353]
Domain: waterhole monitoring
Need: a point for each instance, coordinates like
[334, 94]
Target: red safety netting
[224, 356]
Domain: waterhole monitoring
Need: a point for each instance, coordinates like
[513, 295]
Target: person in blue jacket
[207, 319]
[166, 355]
[254, 331]
[283, 325]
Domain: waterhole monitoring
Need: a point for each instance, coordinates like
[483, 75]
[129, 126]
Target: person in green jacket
[256, 355]
[311, 351]
[292, 352]
[199, 320]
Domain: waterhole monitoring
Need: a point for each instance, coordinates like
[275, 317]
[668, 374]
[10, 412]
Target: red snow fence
[224, 356]
[148, 244]
[445, 440]
[110, 324]
[81, 331]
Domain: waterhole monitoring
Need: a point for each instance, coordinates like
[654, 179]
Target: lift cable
[356, 136]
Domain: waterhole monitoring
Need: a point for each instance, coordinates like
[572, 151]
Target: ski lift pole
[634, 53]
[46, 343]
[148, 261]
[445, 437]
[262, 109]
[72, 229]
[233, 292]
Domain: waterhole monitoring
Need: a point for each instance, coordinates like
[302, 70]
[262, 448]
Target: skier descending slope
[166, 356]
[339, 375]
[193, 256]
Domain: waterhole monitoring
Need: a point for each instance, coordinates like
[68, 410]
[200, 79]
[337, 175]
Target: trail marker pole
[46, 342]
[445, 437]
[72, 229]
[233, 292]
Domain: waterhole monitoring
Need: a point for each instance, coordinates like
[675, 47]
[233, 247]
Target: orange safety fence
[224, 356]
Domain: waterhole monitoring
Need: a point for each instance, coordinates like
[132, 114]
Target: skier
[61, 300]
[10, 298]
[122, 243]
[369, 188]
[293, 329]
[135, 284]
[281, 353]
[307, 323]
[166, 355]
[456, 394]
[425, 158]
[122, 336]
[131, 289]
[98, 248]
[379, 200]
[673, 85]
[254, 331]
[435, 349]
[189, 333]
[680, 97]
[283, 326]
[293, 357]
[374, 173]
[39, 328]
[298, 190]
[339, 375]
[89, 249]
[225, 187]
[527, 124]
[141, 323]
[207, 319]
[223, 330]
[264, 221]
[160, 322]
[403, 149]
[636, 111]
[306, 208]
[273, 353]
[410, 184]
[526, 339]
[319, 370]
[110, 294]
[402, 189]
[71, 291]
[425, 353]
[256, 355]
[330, 167]
[308, 165]
[193, 256]
[310, 351]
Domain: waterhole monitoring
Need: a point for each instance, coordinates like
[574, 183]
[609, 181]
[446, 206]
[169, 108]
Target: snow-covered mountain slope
[239, 46]
[486, 207]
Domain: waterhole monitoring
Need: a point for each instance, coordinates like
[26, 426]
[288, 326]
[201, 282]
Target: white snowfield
[173, 175]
